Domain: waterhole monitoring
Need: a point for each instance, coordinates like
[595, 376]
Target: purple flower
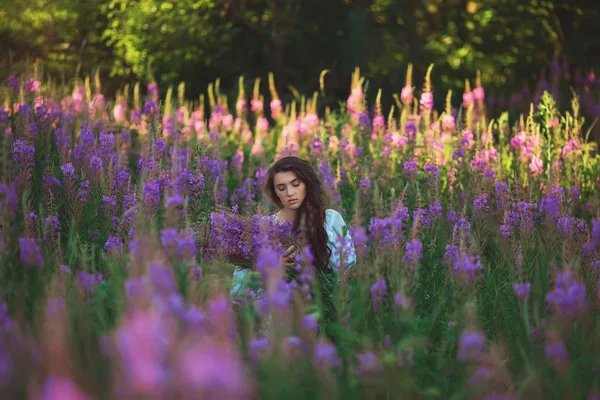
[410, 129]
[13, 83]
[61, 388]
[387, 232]
[360, 239]
[31, 254]
[180, 244]
[278, 296]
[480, 203]
[378, 292]
[162, 278]
[174, 201]
[114, 246]
[364, 120]
[222, 376]
[309, 323]
[257, 346]
[150, 108]
[471, 345]
[23, 155]
[557, 354]
[325, 355]
[268, 258]
[33, 86]
[68, 170]
[96, 166]
[152, 194]
[317, 146]
[83, 192]
[368, 363]
[596, 233]
[522, 290]
[435, 210]
[566, 226]
[87, 282]
[134, 287]
[109, 205]
[414, 252]
[142, 344]
[401, 301]
[410, 168]
[431, 171]
[568, 297]
[194, 316]
[52, 226]
[365, 185]
[464, 267]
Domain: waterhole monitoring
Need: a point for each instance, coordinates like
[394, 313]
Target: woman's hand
[289, 256]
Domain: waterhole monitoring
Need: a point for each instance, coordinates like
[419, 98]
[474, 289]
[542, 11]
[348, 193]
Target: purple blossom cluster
[568, 298]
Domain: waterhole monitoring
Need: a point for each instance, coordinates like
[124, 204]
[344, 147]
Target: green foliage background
[511, 42]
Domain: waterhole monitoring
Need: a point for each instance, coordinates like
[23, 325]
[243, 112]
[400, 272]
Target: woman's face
[290, 190]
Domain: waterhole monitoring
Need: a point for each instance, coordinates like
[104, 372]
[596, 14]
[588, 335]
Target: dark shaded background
[512, 42]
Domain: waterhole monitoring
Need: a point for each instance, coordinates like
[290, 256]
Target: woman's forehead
[284, 177]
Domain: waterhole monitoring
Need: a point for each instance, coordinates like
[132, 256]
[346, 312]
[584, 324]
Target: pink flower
[262, 125]
[311, 120]
[237, 125]
[536, 166]
[467, 138]
[256, 106]
[240, 106]
[247, 136]
[572, 145]
[519, 140]
[378, 122]
[33, 86]
[257, 148]
[61, 389]
[448, 123]
[407, 95]
[199, 128]
[478, 93]
[227, 121]
[334, 144]
[427, 100]
[119, 112]
[276, 108]
[355, 99]
[467, 99]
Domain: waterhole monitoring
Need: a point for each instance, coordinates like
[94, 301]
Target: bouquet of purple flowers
[238, 238]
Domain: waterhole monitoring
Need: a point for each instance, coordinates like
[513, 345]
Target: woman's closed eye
[281, 188]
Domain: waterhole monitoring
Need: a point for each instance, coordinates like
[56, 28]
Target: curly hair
[310, 219]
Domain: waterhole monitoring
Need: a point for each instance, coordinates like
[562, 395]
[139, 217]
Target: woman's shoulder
[333, 217]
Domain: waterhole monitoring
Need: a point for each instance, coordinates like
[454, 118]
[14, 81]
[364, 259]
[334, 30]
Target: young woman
[295, 188]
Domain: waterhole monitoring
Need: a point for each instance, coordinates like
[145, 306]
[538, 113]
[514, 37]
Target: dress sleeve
[340, 241]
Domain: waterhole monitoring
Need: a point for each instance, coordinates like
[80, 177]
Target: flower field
[477, 237]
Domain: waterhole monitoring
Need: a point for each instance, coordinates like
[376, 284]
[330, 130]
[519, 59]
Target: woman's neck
[286, 214]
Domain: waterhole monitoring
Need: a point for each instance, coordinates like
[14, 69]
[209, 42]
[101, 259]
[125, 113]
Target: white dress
[334, 225]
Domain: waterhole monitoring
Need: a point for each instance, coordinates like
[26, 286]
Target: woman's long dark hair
[310, 220]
